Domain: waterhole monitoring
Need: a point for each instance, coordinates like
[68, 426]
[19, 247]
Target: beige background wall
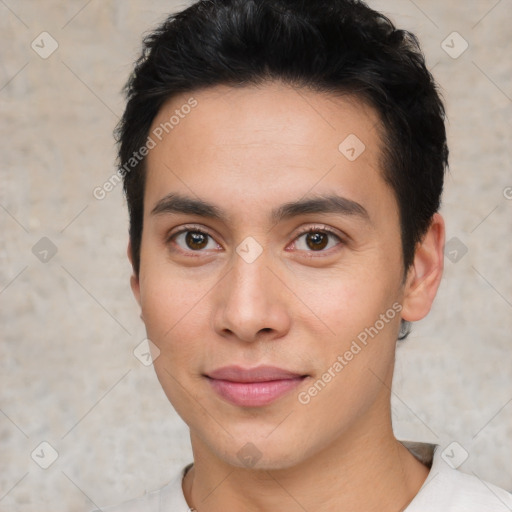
[70, 325]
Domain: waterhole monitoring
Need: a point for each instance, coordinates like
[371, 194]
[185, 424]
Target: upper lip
[258, 374]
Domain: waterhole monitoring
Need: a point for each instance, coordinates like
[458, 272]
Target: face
[271, 239]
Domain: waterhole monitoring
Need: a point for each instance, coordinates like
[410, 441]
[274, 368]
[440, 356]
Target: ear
[424, 275]
[134, 280]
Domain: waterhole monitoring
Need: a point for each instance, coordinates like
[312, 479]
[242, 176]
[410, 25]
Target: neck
[356, 473]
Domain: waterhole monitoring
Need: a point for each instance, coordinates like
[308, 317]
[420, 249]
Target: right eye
[192, 239]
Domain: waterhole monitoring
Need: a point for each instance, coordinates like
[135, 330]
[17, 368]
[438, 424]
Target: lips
[258, 374]
[253, 387]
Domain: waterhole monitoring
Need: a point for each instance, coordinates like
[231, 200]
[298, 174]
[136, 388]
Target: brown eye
[196, 240]
[317, 240]
[192, 240]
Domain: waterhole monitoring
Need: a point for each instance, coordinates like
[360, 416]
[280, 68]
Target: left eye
[315, 240]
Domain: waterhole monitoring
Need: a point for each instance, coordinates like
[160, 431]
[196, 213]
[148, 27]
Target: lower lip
[254, 394]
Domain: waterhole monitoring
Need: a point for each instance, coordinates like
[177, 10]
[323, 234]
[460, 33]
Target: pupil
[195, 240]
[318, 240]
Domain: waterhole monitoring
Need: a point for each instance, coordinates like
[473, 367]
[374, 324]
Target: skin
[249, 150]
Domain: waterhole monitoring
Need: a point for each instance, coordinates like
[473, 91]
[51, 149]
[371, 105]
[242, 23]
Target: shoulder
[449, 490]
[169, 497]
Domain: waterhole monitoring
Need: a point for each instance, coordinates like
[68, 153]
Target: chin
[259, 453]
[262, 461]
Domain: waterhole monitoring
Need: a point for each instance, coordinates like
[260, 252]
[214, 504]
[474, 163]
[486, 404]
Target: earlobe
[425, 274]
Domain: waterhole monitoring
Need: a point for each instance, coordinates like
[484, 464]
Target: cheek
[169, 307]
[357, 352]
[355, 364]
[347, 302]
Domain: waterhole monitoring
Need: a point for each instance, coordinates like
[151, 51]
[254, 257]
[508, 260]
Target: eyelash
[310, 229]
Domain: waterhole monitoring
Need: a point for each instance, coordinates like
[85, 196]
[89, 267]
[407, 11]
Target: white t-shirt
[445, 490]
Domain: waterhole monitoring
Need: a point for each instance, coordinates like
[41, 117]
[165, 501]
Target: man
[283, 163]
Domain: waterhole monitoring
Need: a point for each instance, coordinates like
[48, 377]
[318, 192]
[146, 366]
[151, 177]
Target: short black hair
[332, 46]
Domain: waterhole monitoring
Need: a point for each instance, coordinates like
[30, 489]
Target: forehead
[261, 142]
[234, 116]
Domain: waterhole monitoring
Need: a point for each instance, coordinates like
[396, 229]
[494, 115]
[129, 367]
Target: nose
[250, 302]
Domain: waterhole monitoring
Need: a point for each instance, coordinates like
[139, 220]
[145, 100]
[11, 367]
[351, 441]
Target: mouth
[253, 387]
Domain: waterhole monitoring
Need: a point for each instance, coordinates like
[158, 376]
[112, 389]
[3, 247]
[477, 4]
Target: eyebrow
[331, 203]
